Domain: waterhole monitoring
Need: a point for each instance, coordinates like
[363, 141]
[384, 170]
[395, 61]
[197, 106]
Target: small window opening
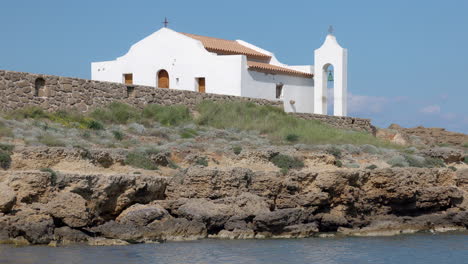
[128, 78]
[130, 91]
[279, 90]
[40, 88]
[201, 85]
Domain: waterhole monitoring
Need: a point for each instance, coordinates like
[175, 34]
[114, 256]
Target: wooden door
[163, 79]
[128, 78]
[201, 85]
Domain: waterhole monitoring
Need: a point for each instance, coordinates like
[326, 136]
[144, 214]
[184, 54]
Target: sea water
[420, 248]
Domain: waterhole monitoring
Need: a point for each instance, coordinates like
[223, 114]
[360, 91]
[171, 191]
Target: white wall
[186, 59]
[182, 57]
[263, 85]
[331, 53]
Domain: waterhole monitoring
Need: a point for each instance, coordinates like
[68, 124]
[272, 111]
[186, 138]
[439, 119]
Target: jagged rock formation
[42, 208]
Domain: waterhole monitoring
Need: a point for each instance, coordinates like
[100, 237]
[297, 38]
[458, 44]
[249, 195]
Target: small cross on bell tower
[331, 30]
[165, 22]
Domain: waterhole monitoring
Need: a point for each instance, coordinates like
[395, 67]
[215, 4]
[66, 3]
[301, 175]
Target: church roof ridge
[226, 46]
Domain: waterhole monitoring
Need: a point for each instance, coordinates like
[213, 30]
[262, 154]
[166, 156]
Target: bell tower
[331, 55]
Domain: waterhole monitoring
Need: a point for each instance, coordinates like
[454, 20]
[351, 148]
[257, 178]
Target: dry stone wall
[19, 89]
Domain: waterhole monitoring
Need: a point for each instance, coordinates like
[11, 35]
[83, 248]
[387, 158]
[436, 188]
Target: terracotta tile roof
[269, 68]
[228, 47]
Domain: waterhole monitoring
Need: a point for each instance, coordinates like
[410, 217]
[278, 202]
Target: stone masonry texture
[20, 89]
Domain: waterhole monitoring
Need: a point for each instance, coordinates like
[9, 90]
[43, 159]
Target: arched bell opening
[329, 79]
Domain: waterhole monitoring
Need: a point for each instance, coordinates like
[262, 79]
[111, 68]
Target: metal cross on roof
[166, 22]
[331, 29]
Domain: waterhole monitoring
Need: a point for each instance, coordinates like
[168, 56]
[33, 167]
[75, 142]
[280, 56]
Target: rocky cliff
[46, 207]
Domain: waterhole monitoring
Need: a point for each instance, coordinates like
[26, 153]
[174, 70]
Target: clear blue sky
[408, 60]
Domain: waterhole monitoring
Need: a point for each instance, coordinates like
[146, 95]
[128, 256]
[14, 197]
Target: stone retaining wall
[353, 123]
[19, 89]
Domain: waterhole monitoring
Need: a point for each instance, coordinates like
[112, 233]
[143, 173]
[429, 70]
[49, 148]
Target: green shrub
[116, 113]
[95, 125]
[188, 133]
[287, 162]
[465, 159]
[237, 149]
[167, 115]
[465, 145]
[53, 175]
[118, 135]
[334, 151]
[5, 131]
[276, 124]
[32, 112]
[292, 138]
[5, 160]
[51, 141]
[6, 147]
[339, 163]
[139, 159]
[452, 168]
[415, 161]
[372, 167]
[434, 163]
[202, 161]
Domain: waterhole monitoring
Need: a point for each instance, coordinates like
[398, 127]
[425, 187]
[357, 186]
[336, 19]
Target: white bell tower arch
[331, 53]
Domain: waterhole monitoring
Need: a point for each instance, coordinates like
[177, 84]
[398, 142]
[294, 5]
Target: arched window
[329, 75]
[163, 79]
[39, 87]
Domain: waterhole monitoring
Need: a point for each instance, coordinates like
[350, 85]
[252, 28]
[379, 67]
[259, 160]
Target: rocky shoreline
[41, 207]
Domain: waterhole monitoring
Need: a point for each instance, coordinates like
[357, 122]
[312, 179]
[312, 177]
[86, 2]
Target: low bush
[434, 163]
[140, 159]
[7, 147]
[335, 151]
[5, 131]
[452, 168]
[237, 149]
[66, 118]
[465, 145]
[5, 160]
[287, 162]
[188, 133]
[292, 138]
[118, 135]
[202, 161]
[50, 141]
[167, 115]
[32, 112]
[372, 167]
[116, 113]
[465, 160]
[276, 124]
[53, 175]
[339, 163]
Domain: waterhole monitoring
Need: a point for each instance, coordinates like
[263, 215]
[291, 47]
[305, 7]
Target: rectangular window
[128, 78]
[201, 85]
[279, 90]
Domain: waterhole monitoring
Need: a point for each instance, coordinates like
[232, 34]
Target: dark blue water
[445, 248]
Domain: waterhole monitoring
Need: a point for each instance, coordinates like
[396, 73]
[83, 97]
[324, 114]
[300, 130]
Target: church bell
[330, 76]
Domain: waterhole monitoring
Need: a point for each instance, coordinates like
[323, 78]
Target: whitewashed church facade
[173, 60]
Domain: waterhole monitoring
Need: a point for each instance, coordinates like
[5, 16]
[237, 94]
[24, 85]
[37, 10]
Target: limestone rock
[141, 215]
[67, 235]
[276, 220]
[205, 211]
[447, 154]
[70, 208]
[36, 228]
[7, 198]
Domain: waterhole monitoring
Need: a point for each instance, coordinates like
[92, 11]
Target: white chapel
[174, 60]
